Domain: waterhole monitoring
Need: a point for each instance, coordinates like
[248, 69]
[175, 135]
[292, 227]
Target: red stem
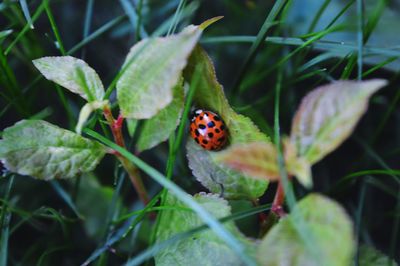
[277, 204]
[134, 176]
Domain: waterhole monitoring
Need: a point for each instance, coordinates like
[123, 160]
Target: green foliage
[324, 222]
[203, 248]
[369, 256]
[151, 70]
[73, 74]
[211, 96]
[45, 151]
[221, 179]
[93, 202]
[214, 176]
[282, 46]
[158, 128]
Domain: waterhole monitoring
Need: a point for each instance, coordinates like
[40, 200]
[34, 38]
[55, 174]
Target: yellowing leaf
[328, 115]
[259, 160]
[256, 159]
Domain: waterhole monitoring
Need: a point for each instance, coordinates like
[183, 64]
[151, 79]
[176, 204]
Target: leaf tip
[208, 22]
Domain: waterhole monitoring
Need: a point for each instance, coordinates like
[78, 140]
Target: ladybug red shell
[208, 130]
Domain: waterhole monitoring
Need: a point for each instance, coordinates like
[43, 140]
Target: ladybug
[208, 130]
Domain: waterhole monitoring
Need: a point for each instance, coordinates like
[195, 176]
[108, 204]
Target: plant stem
[277, 204]
[134, 176]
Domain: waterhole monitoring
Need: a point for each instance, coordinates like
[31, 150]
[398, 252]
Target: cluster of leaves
[151, 87]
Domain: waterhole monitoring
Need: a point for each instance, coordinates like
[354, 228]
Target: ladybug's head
[194, 113]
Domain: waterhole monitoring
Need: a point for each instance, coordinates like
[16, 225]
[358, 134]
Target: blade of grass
[256, 45]
[87, 23]
[66, 197]
[181, 195]
[112, 23]
[158, 208]
[60, 46]
[358, 219]
[4, 239]
[5, 33]
[5, 218]
[385, 118]
[360, 38]
[395, 230]
[59, 43]
[300, 226]
[25, 10]
[379, 66]
[131, 12]
[175, 143]
[317, 17]
[363, 35]
[35, 16]
[396, 221]
[351, 178]
[175, 20]
[120, 233]
[51, 251]
[340, 14]
[339, 48]
[139, 21]
[376, 182]
[11, 85]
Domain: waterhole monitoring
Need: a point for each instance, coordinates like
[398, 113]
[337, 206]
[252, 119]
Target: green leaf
[327, 226]
[231, 184]
[368, 256]
[150, 72]
[202, 248]
[73, 74]
[328, 115]
[158, 128]
[131, 125]
[212, 174]
[93, 202]
[211, 96]
[45, 151]
[85, 112]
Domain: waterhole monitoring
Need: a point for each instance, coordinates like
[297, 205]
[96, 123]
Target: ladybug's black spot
[204, 146]
[217, 130]
[201, 126]
[222, 127]
[205, 141]
[216, 118]
[210, 135]
[197, 140]
[197, 132]
[221, 139]
[211, 124]
[201, 117]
